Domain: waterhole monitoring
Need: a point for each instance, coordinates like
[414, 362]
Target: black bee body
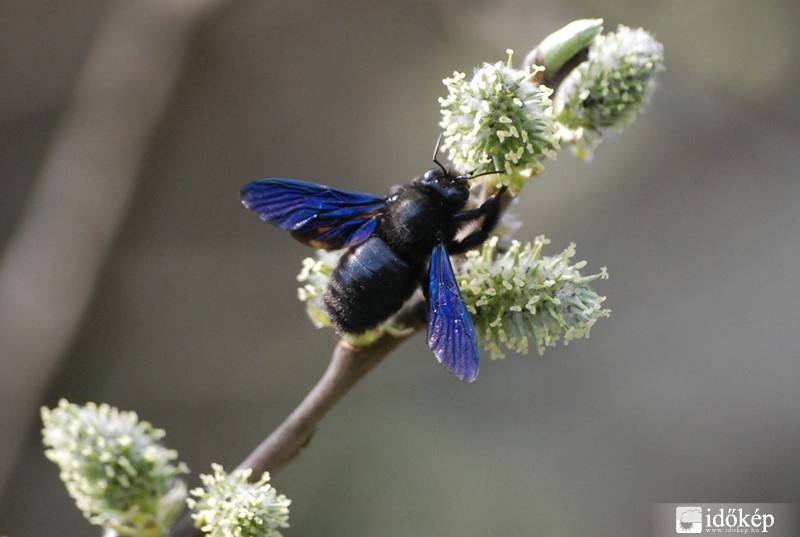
[375, 278]
[370, 283]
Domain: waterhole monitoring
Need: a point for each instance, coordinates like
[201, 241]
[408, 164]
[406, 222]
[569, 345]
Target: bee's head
[449, 186]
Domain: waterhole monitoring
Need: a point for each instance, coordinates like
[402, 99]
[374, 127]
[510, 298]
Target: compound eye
[432, 176]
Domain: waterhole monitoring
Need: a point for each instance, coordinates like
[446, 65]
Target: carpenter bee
[396, 243]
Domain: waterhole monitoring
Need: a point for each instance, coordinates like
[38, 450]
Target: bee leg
[490, 206]
[490, 211]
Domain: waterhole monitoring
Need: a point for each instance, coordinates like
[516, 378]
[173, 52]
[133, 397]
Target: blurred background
[131, 274]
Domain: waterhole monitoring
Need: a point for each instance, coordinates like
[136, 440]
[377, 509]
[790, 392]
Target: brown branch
[348, 365]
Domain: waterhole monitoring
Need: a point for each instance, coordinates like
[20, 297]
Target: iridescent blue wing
[316, 215]
[451, 336]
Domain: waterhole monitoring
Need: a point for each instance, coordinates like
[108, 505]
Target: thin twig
[348, 365]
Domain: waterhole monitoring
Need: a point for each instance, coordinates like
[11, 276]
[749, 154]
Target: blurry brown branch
[348, 365]
[50, 267]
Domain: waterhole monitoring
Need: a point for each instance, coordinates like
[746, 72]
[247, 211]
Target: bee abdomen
[370, 284]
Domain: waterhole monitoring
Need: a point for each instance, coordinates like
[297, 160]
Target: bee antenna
[436, 153]
[473, 176]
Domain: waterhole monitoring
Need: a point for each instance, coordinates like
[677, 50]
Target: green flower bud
[614, 84]
[519, 296]
[230, 506]
[559, 47]
[498, 120]
[114, 467]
